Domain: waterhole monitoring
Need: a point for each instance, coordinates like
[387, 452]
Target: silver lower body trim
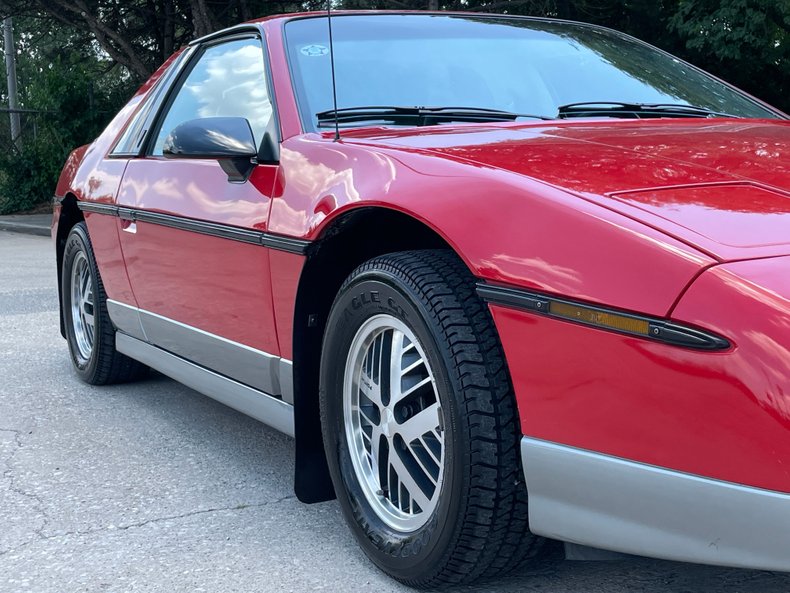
[286, 378]
[260, 370]
[126, 318]
[261, 406]
[607, 502]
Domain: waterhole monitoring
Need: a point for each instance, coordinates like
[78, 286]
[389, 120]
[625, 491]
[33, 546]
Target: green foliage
[25, 176]
[73, 109]
[744, 41]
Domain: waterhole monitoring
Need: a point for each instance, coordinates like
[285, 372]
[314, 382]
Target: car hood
[722, 186]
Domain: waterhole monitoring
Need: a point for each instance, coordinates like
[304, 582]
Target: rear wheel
[89, 331]
[419, 423]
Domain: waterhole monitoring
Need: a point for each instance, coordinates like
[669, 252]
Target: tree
[745, 41]
[71, 90]
[140, 34]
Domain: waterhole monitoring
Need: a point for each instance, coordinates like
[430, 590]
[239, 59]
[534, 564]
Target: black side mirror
[227, 139]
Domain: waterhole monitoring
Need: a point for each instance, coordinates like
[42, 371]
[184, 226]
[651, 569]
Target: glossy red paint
[214, 284]
[102, 186]
[729, 220]
[677, 175]
[286, 270]
[198, 189]
[69, 171]
[522, 232]
[647, 216]
[723, 415]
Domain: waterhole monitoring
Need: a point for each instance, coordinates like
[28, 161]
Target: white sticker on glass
[314, 51]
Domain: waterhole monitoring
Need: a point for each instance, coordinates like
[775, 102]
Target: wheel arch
[70, 215]
[349, 239]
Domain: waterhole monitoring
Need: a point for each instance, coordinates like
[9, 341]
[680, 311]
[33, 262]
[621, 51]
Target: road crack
[238, 507]
[13, 482]
[111, 528]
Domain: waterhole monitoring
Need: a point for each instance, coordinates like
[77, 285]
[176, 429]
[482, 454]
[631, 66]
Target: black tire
[479, 526]
[104, 365]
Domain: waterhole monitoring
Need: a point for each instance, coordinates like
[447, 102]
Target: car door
[192, 239]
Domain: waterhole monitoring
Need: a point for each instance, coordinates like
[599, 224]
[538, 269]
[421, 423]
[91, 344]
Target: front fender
[507, 228]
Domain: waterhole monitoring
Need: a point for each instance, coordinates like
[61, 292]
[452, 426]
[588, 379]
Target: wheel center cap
[388, 424]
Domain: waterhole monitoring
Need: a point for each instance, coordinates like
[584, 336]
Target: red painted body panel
[506, 228]
[103, 187]
[198, 189]
[214, 284]
[705, 162]
[66, 179]
[286, 269]
[723, 415]
[731, 219]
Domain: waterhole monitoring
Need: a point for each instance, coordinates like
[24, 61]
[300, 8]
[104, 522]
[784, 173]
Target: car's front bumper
[611, 503]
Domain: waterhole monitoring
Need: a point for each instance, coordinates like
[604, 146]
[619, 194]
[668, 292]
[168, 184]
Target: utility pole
[10, 68]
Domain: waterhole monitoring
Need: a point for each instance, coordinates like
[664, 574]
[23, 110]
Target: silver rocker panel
[260, 370]
[257, 404]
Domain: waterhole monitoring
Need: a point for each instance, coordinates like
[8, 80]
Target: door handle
[129, 226]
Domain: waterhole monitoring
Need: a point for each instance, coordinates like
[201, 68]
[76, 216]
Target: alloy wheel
[394, 423]
[82, 306]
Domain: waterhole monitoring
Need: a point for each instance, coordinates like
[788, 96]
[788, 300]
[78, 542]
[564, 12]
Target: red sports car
[501, 278]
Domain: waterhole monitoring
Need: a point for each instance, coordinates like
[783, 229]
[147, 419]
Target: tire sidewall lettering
[388, 304]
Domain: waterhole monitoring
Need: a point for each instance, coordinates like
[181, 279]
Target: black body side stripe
[298, 246]
[98, 208]
[622, 322]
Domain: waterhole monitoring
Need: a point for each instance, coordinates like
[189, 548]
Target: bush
[72, 112]
[28, 176]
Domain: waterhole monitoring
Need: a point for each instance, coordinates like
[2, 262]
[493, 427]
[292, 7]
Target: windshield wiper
[635, 110]
[416, 116]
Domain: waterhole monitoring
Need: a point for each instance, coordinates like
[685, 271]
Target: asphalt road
[153, 487]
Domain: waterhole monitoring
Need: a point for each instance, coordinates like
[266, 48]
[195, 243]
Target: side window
[129, 143]
[229, 79]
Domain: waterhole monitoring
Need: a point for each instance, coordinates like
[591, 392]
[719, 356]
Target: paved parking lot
[152, 487]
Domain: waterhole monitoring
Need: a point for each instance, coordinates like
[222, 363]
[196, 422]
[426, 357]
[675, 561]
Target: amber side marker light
[599, 318]
[659, 330]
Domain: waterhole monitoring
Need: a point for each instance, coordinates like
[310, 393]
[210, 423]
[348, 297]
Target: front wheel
[420, 425]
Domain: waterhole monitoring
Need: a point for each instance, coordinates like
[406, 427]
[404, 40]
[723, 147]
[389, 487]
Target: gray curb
[23, 227]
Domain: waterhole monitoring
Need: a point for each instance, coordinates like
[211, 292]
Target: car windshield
[517, 65]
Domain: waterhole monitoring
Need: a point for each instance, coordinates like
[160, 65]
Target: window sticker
[314, 51]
